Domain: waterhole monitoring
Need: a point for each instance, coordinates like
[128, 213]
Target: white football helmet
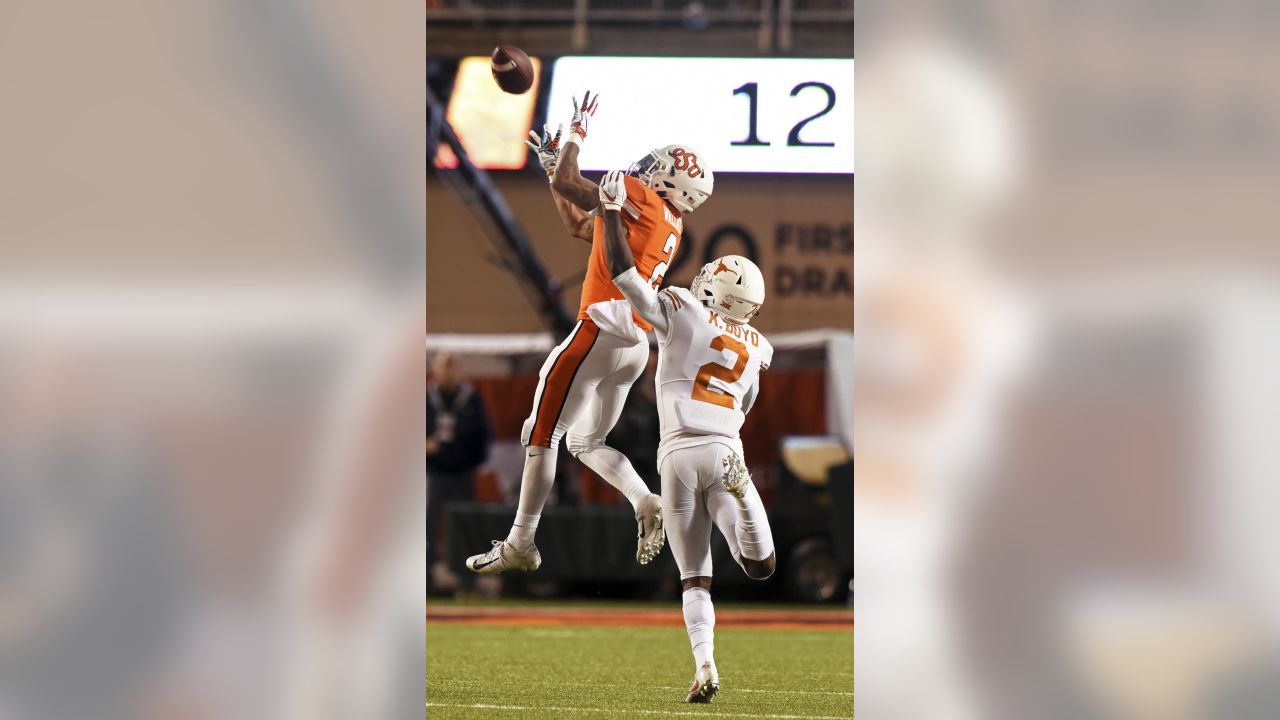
[732, 286]
[675, 173]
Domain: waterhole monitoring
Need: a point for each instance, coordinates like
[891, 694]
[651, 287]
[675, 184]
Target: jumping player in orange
[586, 378]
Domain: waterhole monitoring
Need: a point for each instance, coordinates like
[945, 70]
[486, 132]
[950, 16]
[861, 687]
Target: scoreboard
[765, 115]
[748, 115]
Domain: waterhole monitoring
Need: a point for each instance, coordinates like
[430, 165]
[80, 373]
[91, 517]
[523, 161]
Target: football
[512, 69]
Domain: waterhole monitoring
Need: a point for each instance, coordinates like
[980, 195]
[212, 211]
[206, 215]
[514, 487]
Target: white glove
[581, 115]
[613, 190]
[547, 147]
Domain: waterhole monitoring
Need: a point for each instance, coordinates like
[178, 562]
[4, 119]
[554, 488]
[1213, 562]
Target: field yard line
[845, 693]
[665, 713]
[841, 693]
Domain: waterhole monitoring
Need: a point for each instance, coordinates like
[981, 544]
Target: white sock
[755, 539]
[616, 470]
[523, 530]
[535, 486]
[700, 621]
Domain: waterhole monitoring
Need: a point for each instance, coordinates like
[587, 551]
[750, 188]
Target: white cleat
[736, 478]
[705, 685]
[504, 556]
[650, 537]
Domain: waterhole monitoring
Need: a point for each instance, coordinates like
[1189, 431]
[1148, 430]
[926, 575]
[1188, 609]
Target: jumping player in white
[709, 364]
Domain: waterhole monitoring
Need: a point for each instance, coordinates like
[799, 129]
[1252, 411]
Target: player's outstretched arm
[617, 253]
[575, 219]
[547, 147]
[568, 180]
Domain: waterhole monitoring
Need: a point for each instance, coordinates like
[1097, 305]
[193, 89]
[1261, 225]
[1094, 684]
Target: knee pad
[578, 444]
[526, 435]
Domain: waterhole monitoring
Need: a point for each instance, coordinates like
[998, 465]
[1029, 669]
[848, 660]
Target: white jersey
[708, 373]
[708, 369]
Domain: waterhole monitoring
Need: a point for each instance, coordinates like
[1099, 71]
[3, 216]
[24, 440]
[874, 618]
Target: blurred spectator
[458, 439]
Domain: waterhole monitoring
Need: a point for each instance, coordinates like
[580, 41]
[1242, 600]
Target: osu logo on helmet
[687, 161]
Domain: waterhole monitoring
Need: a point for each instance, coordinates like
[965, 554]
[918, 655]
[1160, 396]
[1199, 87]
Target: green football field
[528, 671]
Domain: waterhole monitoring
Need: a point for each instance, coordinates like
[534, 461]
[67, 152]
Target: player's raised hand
[613, 190]
[582, 114]
[546, 147]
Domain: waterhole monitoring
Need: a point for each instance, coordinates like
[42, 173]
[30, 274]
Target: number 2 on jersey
[669, 247]
[702, 390]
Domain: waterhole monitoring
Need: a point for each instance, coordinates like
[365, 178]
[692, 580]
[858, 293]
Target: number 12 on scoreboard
[752, 91]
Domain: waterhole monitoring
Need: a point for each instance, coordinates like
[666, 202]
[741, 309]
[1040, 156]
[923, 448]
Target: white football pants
[693, 498]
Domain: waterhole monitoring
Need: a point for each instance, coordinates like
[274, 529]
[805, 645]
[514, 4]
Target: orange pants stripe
[555, 389]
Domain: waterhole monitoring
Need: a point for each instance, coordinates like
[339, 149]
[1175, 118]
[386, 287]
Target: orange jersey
[653, 232]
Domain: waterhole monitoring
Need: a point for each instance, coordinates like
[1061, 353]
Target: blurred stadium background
[212, 281]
